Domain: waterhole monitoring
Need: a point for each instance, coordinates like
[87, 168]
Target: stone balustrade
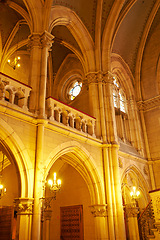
[13, 91]
[62, 113]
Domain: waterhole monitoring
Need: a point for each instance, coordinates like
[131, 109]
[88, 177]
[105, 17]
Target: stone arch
[143, 185]
[83, 163]
[122, 71]
[63, 16]
[17, 153]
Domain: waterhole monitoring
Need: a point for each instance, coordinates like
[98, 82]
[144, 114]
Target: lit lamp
[134, 194]
[15, 63]
[54, 184]
[2, 190]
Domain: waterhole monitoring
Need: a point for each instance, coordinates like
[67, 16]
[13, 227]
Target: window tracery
[119, 98]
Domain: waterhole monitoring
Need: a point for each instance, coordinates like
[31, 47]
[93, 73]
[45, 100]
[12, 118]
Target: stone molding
[23, 206]
[99, 77]
[149, 104]
[131, 210]
[99, 210]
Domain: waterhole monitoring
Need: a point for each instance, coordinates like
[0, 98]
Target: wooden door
[72, 222]
[6, 218]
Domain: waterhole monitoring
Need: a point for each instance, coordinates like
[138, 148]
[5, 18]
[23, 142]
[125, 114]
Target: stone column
[38, 180]
[100, 214]
[131, 214]
[35, 66]
[92, 84]
[46, 40]
[108, 191]
[109, 108]
[113, 147]
[23, 206]
[47, 219]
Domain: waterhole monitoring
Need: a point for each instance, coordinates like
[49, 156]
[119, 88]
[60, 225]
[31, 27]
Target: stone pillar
[46, 40]
[23, 206]
[100, 214]
[109, 108]
[131, 214]
[47, 218]
[35, 66]
[117, 193]
[38, 181]
[113, 147]
[108, 191]
[92, 83]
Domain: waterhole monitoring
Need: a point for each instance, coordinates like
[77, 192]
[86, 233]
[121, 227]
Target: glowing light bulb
[50, 182]
[59, 182]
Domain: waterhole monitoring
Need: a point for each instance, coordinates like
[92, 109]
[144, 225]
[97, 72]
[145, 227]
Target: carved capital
[34, 41]
[99, 210]
[92, 78]
[131, 210]
[108, 77]
[40, 40]
[47, 40]
[23, 206]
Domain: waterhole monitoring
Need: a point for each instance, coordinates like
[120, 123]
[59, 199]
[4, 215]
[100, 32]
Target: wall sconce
[135, 194]
[15, 63]
[55, 185]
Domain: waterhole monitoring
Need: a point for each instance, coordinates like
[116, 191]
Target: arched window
[119, 98]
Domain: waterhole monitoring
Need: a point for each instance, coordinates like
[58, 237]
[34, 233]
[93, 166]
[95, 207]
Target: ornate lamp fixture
[134, 193]
[54, 184]
[2, 188]
[15, 63]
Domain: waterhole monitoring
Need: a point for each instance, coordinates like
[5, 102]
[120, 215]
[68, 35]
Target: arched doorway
[10, 189]
[80, 191]
[135, 199]
[74, 193]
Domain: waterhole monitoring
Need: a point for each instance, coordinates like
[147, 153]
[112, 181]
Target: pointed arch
[63, 16]
[16, 151]
[108, 34]
[143, 185]
[82, 161]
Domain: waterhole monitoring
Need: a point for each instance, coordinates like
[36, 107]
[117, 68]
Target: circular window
[75, 90]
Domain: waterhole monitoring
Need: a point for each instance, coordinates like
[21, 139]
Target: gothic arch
[83, 163]
[64, 16]
[16, 151]
[121, 69]
[143, 185]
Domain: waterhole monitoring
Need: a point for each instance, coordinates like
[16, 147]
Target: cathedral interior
[79, 119]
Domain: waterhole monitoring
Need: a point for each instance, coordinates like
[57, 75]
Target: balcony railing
[62, 113]
[17, 93]
[13, 91]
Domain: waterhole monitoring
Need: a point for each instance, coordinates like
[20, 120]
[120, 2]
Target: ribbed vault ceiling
[128, 31]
